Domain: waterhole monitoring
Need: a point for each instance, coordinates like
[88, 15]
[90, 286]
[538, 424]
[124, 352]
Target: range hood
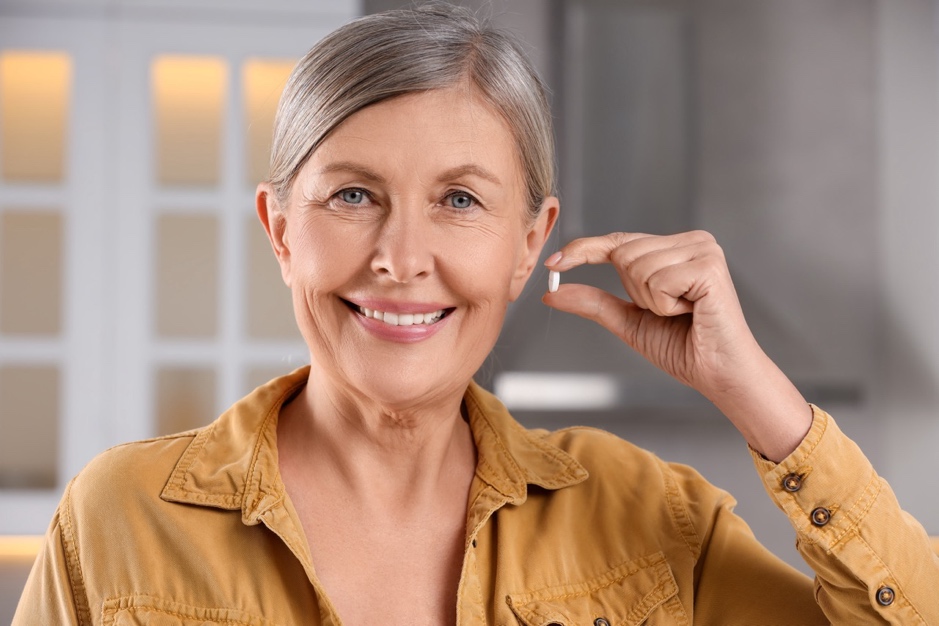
[660, 131]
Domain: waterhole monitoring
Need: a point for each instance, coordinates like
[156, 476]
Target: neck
[402, 455]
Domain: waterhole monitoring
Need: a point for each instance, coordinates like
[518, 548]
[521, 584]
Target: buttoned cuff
[825, 487]
[852, 531]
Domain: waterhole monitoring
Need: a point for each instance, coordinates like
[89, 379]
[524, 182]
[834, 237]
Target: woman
[411, 194]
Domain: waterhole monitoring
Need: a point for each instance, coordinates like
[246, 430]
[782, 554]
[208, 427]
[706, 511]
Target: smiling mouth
[401, 319]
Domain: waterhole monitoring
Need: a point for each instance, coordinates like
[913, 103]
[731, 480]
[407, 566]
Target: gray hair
[389, 54]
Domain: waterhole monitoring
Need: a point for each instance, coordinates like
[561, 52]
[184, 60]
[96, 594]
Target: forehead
[430, 130]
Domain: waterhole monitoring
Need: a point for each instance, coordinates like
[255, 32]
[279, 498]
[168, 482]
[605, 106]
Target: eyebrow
[468, 169]
[355, 168]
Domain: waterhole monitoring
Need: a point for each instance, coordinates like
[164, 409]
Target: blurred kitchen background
[138, 295]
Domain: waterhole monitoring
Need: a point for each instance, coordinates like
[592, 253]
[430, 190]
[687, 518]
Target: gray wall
[802, 133]
[906, 406]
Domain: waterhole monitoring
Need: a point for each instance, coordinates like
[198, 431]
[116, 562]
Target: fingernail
[553, 259]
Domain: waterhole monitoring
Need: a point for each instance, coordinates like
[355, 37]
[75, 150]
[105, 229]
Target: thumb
[615, 314]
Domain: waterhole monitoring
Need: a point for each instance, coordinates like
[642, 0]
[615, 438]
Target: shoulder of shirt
[134, 469]
[608, 457]
[669, 494]
[598, 449]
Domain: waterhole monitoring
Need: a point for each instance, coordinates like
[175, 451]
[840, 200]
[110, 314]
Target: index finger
[590, 250]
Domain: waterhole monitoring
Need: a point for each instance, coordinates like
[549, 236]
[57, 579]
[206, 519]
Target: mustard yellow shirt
[569, 527]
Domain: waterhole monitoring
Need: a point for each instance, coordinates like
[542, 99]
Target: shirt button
[601, 621]
[792, 483]
[821, 516]
[885, 596]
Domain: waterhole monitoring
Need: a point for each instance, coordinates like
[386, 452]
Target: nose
[403, 251]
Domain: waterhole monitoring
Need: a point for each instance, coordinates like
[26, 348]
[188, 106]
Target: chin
[400, 393]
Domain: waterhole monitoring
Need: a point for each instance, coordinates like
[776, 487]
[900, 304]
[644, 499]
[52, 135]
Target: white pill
[554, 280]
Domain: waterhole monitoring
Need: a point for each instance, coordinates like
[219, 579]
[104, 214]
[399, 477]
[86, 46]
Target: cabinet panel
[34, 106]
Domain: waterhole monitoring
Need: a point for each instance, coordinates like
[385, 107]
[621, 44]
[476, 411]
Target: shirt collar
[232, 463]
[510, 457]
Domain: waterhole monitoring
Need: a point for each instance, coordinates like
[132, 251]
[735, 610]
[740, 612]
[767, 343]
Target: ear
[535, 239]
[274, 220]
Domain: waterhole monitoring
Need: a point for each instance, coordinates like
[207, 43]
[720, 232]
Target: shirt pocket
[642, 591]
[142, 610]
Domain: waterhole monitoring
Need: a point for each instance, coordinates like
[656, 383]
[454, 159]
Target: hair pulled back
[389, 54]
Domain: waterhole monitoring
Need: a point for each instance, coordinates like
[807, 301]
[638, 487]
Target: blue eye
[352, 196]
[461, 200]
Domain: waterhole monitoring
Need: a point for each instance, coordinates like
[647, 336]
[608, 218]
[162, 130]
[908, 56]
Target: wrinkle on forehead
[468, 116]
[430, 138]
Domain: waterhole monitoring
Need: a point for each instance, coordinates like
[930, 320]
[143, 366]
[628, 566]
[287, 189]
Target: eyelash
[474, 201]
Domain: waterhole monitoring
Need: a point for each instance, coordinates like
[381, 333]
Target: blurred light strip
[18, 546]
[533, 391]
[35, 90]
[189, 94]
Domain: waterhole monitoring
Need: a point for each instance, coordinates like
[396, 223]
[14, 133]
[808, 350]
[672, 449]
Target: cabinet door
[138, 294]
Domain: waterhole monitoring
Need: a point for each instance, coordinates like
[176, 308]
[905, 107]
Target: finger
[638, 259]
[616, 315]
[603, 249]
[598, 250]
[589, 250]
[657, 280]
[669, 287]
[623, 250]
[632, 250]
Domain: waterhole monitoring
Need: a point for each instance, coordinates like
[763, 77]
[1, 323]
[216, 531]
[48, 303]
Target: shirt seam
[178, 615]
[853, 516]
[875, 556]
[813, 438]
[129, 603]
[677, 509]
[76, 577]
[657, 561]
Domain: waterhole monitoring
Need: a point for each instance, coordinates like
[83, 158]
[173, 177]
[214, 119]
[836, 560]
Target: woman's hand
[686, 319]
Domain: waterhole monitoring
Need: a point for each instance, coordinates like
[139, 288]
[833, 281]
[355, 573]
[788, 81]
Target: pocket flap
[624, 596]
[150, 611]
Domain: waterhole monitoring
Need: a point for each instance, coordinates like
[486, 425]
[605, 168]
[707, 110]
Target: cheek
[485, 268]
[324, 256]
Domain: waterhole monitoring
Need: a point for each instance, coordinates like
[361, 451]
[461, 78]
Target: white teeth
[402, 319]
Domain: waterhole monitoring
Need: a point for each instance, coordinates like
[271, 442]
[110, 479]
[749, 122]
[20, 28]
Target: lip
[398, 334]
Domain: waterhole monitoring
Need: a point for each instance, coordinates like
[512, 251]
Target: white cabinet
[137, 292]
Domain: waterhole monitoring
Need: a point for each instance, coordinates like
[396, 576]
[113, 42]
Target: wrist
[767, 409]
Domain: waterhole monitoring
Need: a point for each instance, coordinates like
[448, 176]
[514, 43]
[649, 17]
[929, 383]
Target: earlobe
[535, 240]
[274, 220]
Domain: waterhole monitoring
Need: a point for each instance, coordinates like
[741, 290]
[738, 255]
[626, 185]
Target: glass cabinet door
[138, 293]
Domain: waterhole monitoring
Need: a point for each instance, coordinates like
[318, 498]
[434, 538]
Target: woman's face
[403, 240]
